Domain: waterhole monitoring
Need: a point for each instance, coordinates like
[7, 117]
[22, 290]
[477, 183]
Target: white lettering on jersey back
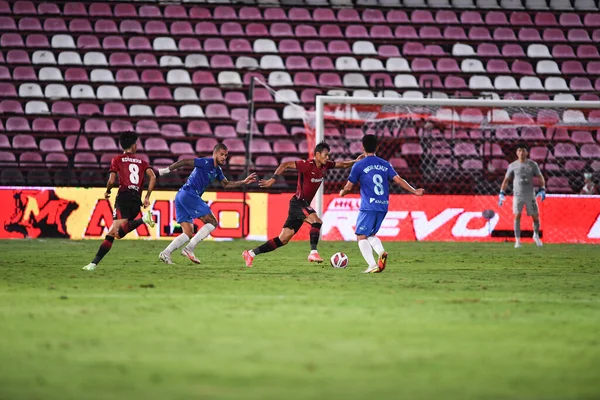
[129, 159]
[376, 167]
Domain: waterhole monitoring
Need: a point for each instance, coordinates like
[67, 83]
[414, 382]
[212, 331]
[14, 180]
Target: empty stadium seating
[179, 73]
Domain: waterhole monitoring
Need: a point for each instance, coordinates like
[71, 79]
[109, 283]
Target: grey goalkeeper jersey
[522, 174]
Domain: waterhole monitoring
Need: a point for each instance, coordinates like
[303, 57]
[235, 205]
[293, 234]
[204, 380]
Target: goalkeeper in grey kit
[521, 172]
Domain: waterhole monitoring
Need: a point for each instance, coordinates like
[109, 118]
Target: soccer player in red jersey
[310, 177]
[131, 170]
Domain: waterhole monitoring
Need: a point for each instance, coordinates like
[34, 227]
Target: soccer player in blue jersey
[373, 173]
[189, 204]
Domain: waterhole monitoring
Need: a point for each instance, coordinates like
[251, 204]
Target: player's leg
[533, 212]
[518, 204]
[133, 210]
[376, 243]
[106, 244]
[292, 224]
[210, 224]
[315, 233]
[364, 226]
[184, 208]
[273, 244]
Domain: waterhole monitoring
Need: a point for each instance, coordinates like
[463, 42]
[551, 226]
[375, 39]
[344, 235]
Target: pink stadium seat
[205, 145]
[82, 143]
[256, 30]
[578, 35]
[545, 19]
[127, 76]
[5, 143]
[235, 145]
[279, 29]
[248, 76]
[120, 59]
[356, 31]
[11, 40]
[558, 184]
[529, 35]
[330, 31]
[590, 151]
[104, 143]
[582, 137]
[156, 144]
[381, 32]
[199, 128]
[305, 31]
[572, 68]
[422, 65]
[115, 109]
[264, 115]
[447, 65]
[138, 43]
[118, 126]
[106, 26]
[156, 28]
[446, 17]
[215, 45]
[225, 131]
[190, 44]
[206, 29]
[76, 75]
[385, 80]
[10, 106]
[171, 130]
[250, 13]
[130, 26]
[260, 146]
[488, 49]
[479, 33]
[496, 18]
[569, 19]
[520, 18]
[513, 51]
[7, 158]
[387, 51]
[211, 94]
[422, 17]
[563, 51]
[305, 79]
[296, 62]
[163, 111]
[330, 79]
[532, 133]
[159, 93]
[587, 51]
[124, 10]
[236, 98]
[497, 67]
[339, 47]
[554, 35]
[24, 142]
[147, 127]
[17, 124]
[150, 12]
[221, 61]
[314, 46]
[80, 25]
[100, 10]
[497, 165]
[231, 29]
[262, 95]
[454, 82]
[145, 60]
[225, 12]
[430, 32]
[290, 46]
[455, 33]
[24, 7]
[17, 57]
[30, 159]
[580, 85]
[45, 125]
[565, 150]
[504, 34]
[522, 68]
[217, 111]
[88, 42]
[397, 16]
[114, 43]
[8, 23]
[507, 134]
[406, 32]
[30, 24]
[51, 145]
[74, 9]
[7, 90]
[175, 12]
[413, 48]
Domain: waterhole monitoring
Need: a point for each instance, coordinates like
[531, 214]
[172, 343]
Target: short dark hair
[522, 145]
[322, 146]
[127, 139]
[369, 142]
[220, 146]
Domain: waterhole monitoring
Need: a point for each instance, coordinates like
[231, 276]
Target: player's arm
[265, 183]
[151, 184]
[502, 196]
[181, 163]
[347, 189]
[348, 163]
[112, 178]
[232, 184]
[542, 192]
[406, 186]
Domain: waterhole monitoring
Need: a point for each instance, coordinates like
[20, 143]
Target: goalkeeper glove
[501, 198]
[163, 171]
[542, 193]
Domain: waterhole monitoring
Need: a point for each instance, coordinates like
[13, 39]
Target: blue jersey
[374, 174]
[204, 174]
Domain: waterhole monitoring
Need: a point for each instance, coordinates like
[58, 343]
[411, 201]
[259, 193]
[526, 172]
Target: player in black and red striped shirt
[310, 177]
[131, 170]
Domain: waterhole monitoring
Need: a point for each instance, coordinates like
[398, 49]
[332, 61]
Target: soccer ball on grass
[339, 260]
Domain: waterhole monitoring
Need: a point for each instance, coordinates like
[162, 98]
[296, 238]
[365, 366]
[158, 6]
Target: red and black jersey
[309, 178]
[131, 170]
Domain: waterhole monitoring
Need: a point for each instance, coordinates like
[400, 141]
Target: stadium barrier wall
[79, 213]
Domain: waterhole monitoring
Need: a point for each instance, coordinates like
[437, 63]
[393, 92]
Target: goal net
[462, 147]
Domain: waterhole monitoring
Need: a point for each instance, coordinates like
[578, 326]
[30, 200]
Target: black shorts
[127, 206]
[299, 210]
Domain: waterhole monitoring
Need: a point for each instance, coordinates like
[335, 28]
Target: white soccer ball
[339, 260]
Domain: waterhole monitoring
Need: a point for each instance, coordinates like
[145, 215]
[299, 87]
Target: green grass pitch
[444, 321]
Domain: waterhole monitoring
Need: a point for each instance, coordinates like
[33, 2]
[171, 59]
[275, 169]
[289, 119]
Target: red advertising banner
[564, 219]
[83, 213]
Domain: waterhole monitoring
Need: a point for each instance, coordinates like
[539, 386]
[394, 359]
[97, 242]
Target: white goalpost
[460, 146]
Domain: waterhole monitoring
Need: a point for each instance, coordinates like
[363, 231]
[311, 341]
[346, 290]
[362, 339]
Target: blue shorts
[189, 206]
[369, 222]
